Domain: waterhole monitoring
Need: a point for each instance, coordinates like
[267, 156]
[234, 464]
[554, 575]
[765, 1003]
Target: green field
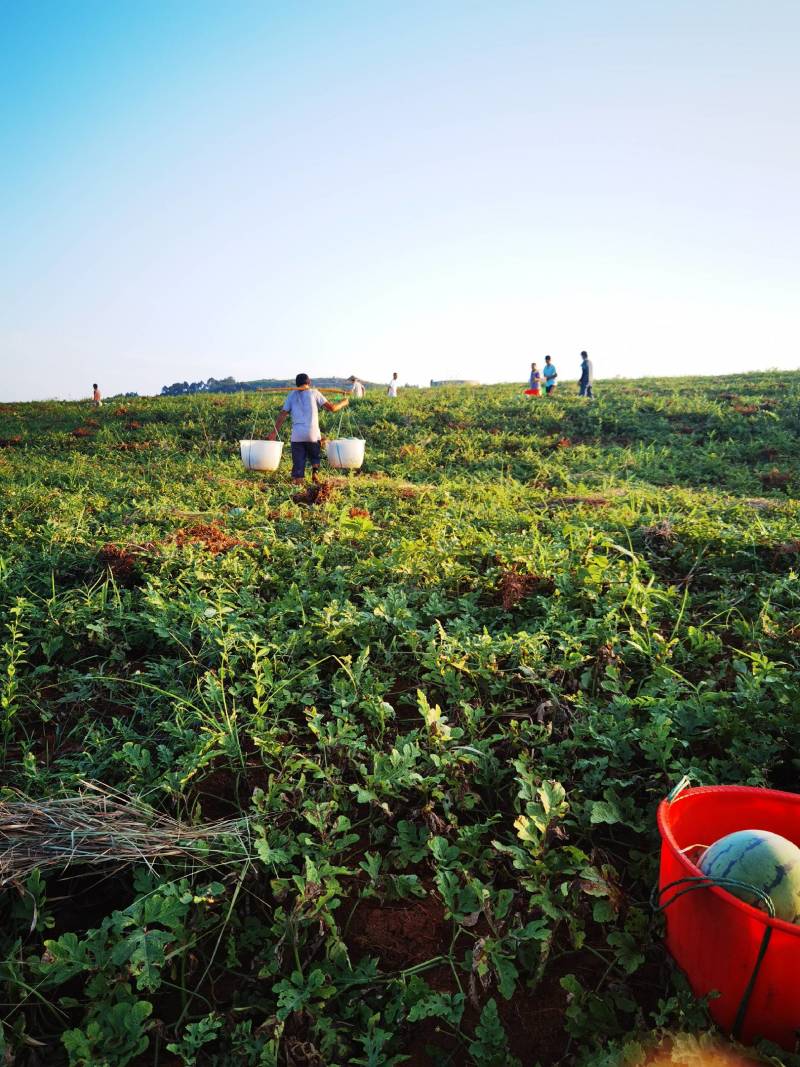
[373, 781]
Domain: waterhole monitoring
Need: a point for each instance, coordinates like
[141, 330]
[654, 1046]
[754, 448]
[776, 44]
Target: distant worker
[392, 390]
[97, 400]
[302, 405]
[550, 375]
[587, 377]
[357, 388]
[535, 381]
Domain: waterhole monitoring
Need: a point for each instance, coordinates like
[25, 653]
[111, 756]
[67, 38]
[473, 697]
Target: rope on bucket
[692, 883]
[256, 406]
[333, 446]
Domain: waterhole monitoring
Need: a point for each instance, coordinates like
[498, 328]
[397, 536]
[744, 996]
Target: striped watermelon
[762, 859]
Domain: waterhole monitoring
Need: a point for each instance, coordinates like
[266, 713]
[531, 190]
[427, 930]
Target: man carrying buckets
[302, 405]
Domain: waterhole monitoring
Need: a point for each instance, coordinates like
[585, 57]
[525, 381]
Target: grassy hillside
[414, 734]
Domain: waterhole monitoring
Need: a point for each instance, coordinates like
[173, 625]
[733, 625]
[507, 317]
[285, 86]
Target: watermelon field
[368, 775]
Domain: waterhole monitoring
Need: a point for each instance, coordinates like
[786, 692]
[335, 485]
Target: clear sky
[192, 188]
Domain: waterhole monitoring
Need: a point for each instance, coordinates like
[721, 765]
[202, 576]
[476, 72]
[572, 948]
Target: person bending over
[302, 406]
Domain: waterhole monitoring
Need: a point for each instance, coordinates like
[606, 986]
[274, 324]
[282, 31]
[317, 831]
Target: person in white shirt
[303, 404]
[393, 387]
[357, 388]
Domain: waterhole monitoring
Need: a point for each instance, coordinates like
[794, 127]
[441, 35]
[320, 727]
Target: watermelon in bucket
[724, 944]
[763, 860]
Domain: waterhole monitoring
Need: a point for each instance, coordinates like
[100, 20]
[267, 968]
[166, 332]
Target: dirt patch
[82, 431]
[409, 450]
[120, 411]
[563, 442]
[761, 503]
[124, 561]
[514, 587]
[80, 902]
[787, 550]
[358, 513]
[746, 409]
[132, 446]
[400, 935]
[209, 536]
[775, 479]
[319, 493]
[223, 793]
[134, 425]
[11, 442]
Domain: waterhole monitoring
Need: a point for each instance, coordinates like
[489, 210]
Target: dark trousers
[586, 389]
[303, 451]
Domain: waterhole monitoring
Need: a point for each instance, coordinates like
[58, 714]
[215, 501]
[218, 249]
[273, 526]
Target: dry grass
[99, 826]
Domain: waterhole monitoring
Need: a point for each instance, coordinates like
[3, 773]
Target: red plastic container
[715, 938]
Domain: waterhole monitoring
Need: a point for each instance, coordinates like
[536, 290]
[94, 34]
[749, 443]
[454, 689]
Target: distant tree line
[230, 385]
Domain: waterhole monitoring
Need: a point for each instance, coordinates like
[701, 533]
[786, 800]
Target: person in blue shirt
[550, 375]
[587, 377]
[302, 405]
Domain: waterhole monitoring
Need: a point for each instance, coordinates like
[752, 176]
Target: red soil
[514, 587]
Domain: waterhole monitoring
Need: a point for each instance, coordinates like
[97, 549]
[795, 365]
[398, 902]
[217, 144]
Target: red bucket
[716, 939]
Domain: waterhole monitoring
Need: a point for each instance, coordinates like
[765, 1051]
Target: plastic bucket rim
[668, 838]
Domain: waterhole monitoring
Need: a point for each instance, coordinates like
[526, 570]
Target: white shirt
[392, 390]
[302, 405]
[357, 391]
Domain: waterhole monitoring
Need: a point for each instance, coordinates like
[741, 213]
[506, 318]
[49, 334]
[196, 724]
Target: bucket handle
[692, 883]
[256, 406]
[679, 788]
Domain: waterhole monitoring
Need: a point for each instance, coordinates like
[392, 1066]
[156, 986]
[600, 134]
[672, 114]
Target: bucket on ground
[720, 942]
[346, 453]
[261, 455]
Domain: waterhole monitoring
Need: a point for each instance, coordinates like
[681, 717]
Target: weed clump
[775, 479]
[208, 536]
[318, 494]
[659, 535]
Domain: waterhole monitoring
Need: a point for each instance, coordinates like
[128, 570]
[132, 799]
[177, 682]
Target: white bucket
[346, 453]
[261, 455]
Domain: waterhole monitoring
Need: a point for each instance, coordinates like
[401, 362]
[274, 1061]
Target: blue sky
[191, 188]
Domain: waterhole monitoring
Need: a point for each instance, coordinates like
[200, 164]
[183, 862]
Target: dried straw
[100, 826]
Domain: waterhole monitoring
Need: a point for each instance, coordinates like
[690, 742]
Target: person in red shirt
[97, 399]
